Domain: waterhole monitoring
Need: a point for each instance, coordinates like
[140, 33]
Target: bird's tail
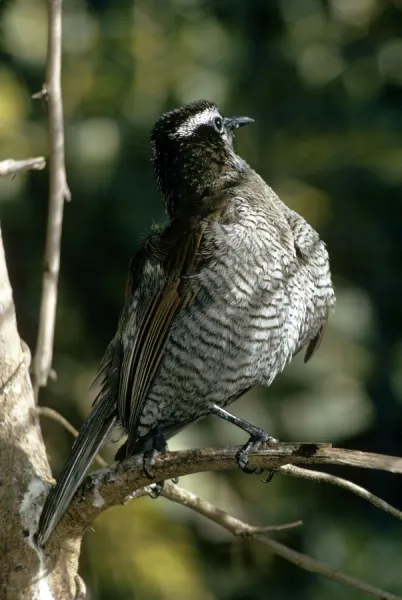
[85, 447]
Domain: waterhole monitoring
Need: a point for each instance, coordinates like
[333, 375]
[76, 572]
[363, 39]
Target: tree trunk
[25, 572]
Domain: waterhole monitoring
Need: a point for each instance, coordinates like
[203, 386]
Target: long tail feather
[85, 447]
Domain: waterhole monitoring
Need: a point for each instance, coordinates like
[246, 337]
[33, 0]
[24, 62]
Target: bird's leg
[158, 445]
[257, 437]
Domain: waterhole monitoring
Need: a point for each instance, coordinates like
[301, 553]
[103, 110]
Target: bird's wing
[314, 344]
[142, 356]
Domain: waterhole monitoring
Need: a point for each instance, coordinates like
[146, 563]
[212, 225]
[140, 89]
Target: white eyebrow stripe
[191, 124]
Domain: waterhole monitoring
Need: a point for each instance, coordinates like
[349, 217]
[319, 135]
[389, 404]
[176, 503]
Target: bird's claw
[253, 444]
[158, 447]
[155, 489]
[148, 462]
[270, 474]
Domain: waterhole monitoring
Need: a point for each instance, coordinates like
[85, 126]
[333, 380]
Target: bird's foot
[155, 489]
[158, 446]
[149, 457]
[257, 438]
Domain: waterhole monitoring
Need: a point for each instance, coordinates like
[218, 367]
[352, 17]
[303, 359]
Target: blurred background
[323, 81]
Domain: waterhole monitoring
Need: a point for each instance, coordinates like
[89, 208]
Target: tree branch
[389, 463]
[349, 486]
[58, 193]
[203, 507]
[10, 166]
[239, 528]
[131, 478]
[95, 492]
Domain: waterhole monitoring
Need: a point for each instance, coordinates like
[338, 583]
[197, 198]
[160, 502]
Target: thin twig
[46, 411]
[58, 193]
[308, 563]
[239, 528]
[203, 507]
[321, 477]
[10, 166]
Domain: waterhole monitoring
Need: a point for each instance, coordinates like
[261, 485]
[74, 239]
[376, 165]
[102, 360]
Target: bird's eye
[218, 124]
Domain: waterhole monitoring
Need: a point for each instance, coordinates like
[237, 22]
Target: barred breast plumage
[264, 291]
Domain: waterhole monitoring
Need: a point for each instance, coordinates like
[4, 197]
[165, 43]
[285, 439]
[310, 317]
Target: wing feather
[181, 242]
[315, 343]
[144, 369]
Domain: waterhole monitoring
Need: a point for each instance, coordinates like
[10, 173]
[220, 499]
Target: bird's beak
[232, 123]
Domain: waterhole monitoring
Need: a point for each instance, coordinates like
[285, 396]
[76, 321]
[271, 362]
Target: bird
[218, 299]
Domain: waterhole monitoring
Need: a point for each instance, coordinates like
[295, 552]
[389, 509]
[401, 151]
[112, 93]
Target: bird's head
[193, 152]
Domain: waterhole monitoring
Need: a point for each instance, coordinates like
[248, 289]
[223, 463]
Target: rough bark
[25, 574]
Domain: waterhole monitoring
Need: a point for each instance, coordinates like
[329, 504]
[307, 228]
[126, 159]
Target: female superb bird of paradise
[218, 300]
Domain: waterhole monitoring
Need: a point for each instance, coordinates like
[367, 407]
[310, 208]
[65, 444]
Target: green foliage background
[323, 80]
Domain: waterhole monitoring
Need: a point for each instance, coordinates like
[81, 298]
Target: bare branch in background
[349, 486]
[10, 167]
[58, 193]
[239, 528]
